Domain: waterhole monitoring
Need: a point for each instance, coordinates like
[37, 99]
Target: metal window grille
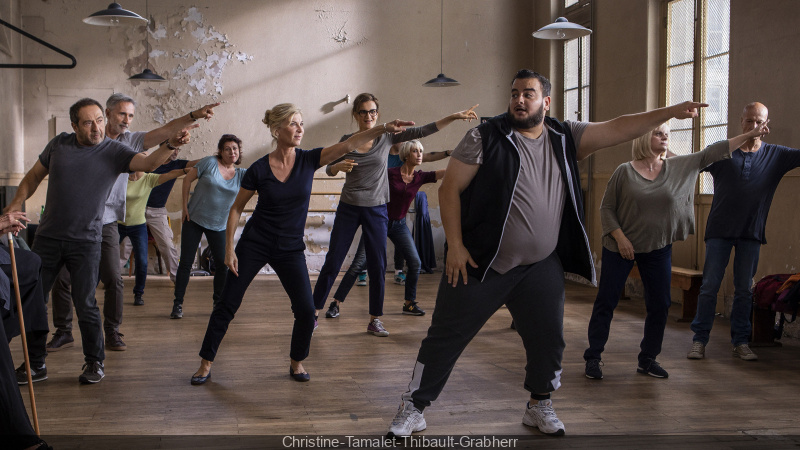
[576, 78]
[697, 67]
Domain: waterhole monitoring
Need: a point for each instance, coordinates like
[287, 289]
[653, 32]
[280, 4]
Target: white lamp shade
[562, 29]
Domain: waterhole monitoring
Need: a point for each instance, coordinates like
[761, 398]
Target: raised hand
[760, 130]
[467, 114]
[397, 125]
[206, 112]
[345, 165]
[687, 110]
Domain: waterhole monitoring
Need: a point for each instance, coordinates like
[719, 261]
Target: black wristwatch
[169, 146]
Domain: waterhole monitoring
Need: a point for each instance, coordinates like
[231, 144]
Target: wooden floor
[357, 378]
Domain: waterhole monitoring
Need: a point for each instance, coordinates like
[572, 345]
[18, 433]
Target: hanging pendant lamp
[441, 80]
[147, 74]
[114, 16]
[561, 29]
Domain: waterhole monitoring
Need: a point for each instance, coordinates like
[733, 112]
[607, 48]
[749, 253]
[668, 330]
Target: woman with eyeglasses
[363, 203]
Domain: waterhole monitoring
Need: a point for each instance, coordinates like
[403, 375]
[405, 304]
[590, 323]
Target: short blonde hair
[641, 145]
[275, 117]
[406, 148]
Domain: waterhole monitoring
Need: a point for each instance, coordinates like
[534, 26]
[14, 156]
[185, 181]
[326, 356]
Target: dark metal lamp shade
[441, 81]
[147, 75]
[115, 16]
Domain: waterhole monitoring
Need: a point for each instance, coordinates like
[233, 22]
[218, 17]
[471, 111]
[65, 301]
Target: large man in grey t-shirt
[71, 230]
[120, 110]
[511, 207]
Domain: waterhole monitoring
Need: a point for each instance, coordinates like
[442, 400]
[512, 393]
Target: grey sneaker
[698, 351]
[407, 420]
[743, 351]
[92, 373]
[376, 327]
[593, 370]
[177, 312]
[543, 417]
[653, 368]
[138, 300]
[39, 374]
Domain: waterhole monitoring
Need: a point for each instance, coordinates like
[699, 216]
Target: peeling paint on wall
[195, 61]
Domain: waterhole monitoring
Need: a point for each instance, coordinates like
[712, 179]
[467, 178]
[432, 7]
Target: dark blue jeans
[655, 268]
[286, 256]
[138, 237]
[404, 246]
[373, 221]
[745, 263]
[82, 260]
[191, 233]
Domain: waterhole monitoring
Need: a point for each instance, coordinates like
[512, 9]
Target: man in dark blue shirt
[743, 189]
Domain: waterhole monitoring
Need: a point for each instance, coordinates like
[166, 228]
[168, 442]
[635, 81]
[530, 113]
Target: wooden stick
[15, 279]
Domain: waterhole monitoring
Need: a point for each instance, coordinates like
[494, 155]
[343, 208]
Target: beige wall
[314, 53]
[252, 54]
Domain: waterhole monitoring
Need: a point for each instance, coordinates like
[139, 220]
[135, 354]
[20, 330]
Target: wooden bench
[689, 281]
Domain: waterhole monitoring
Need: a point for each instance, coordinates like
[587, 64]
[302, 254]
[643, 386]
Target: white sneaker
[407, 420]
[543, 417]
[698, 351]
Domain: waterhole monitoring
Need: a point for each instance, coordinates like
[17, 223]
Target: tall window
[576, 63]
[697, 68]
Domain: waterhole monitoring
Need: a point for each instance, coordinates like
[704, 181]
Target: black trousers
[534, 295]
[16, 430]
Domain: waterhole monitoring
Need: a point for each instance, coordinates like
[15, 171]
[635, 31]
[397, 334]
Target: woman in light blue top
[218, 182]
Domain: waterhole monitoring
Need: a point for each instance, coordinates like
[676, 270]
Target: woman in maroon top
[404, 183]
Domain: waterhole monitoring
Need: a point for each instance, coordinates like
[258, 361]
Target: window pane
[571, 105]
[585, 104]
[718, 27]
[571, 64]
[715, 90]
[680, 141]
[585, 60]
[706, 183]
[680, 32]
[680, 87]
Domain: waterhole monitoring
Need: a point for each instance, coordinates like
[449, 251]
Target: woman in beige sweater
[648, 205]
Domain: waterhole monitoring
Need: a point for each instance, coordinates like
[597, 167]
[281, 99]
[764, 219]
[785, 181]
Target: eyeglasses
[371, 112]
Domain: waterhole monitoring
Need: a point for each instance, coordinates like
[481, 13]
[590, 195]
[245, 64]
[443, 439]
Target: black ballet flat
[302, 377]
[197, 381]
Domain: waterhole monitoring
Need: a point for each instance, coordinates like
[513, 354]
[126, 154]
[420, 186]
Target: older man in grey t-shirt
[70, 231]
[120, 110]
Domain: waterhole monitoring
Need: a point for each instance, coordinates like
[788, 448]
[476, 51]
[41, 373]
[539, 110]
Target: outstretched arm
[242, 198]
[330, 154]
[149, 163]
[154, 137]
[757, 132]
[625, 128]
[171, 175]
[467, 114]
[27, 186]
[435, 156]
[459, 176]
